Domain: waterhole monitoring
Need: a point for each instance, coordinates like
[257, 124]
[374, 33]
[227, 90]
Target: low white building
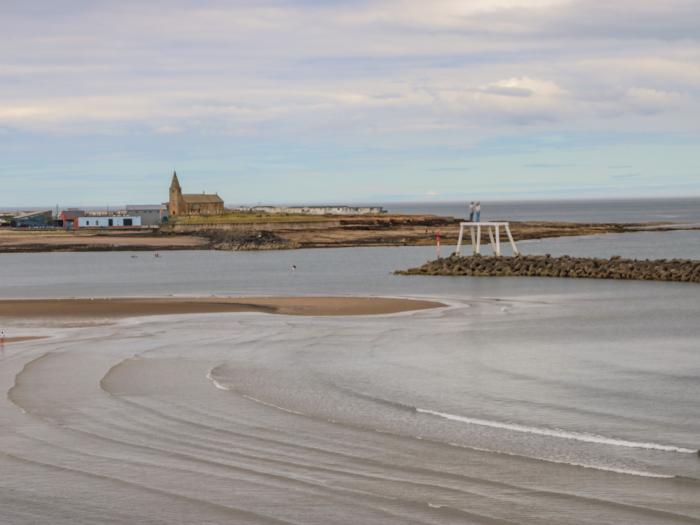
[321, 210]
[109, 221]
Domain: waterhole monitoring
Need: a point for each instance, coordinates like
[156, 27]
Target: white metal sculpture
[494, 229]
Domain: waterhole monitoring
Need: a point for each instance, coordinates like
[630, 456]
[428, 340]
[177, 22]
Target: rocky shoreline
[388, 230]
[677, 270]
[246, 241]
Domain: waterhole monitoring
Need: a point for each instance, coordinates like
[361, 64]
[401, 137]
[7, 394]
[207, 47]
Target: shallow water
[523, 401]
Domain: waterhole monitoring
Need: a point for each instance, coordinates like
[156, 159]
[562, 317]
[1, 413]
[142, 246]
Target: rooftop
[202, 198]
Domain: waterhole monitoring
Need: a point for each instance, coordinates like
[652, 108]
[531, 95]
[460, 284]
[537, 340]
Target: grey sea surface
[681, 210]
[544, 401]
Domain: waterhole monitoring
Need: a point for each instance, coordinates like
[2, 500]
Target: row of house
[319, 210]
[72, 219]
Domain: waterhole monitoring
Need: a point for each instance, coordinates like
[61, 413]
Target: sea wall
[681, 270]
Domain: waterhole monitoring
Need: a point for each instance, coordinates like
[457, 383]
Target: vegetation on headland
[679, 270]
[290, 231]
[247, 217]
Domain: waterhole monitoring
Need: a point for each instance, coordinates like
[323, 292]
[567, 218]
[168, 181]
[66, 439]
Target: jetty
[677, 270]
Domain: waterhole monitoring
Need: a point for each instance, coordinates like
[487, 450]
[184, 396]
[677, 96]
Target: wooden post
[494, 231]
[478, 238]
[512, 242]
[458, 251]
[498, 240]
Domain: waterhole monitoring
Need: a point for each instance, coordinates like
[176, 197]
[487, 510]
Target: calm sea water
[524, 401]
[685, 210]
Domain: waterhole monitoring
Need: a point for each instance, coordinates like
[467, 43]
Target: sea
[522, 400]
[679, 210]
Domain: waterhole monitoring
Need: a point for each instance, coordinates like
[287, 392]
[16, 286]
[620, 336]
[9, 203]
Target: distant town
[136, 216]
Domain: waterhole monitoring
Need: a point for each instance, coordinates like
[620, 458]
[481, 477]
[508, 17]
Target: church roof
[202, 198]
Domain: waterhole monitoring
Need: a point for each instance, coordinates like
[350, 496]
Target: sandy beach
[135, 307]
[526, 401]
[19, 339]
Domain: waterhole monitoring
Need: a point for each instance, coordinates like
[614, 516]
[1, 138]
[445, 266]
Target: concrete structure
[151, 214]
[34, 219]
[321, 210]
[192, 203]
[494, 236]
[113, 221]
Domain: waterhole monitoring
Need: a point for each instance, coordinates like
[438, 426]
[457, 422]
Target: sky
[311, 101]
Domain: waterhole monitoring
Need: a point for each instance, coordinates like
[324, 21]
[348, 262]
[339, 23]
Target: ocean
[524, 400]
[682, 210]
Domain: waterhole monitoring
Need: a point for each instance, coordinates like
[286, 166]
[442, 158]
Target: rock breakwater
[679, 270]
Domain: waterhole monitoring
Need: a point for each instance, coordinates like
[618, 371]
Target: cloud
[365, 67]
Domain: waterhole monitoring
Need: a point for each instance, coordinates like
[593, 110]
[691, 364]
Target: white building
[110, 221]
[321, 210]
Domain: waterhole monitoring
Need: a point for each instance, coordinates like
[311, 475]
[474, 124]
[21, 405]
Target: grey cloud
[506, 91]
[548, 165]
[372, 67]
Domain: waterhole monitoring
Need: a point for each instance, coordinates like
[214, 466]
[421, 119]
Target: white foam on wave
[604, 468]
[271, 405]
[557, 433]
[215, 382]
[220, 386]
[460, 418]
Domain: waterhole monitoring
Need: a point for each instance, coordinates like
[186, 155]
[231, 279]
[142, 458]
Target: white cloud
[363, 67]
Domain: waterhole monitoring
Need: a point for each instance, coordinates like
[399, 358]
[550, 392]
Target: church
[192, 203]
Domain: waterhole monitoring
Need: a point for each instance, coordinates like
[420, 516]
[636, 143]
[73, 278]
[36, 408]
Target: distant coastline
[350, 231]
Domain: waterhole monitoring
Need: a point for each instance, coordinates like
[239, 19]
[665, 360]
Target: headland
[274, 232]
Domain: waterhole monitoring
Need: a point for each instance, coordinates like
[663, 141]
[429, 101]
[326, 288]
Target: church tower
[176, 202]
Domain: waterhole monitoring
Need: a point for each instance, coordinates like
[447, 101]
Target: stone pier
[679, 270]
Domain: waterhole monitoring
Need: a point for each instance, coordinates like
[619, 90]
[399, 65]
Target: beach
[211, 386]
[136, 307]
[20, 339]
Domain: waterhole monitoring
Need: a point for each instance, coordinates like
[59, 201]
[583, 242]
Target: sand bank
[133, 307]
[19, 339]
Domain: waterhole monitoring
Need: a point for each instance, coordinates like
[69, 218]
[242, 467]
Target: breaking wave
[557, 433]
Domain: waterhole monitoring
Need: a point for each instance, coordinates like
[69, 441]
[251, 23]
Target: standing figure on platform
[471, 211]
[477, 212]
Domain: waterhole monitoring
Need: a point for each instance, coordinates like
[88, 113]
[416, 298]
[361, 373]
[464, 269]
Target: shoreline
[138, 307]
[383, 231]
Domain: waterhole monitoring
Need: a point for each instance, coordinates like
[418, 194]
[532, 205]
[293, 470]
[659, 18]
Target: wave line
[557, 433]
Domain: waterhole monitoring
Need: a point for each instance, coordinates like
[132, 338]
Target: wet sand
[136, 307]
[19, 339]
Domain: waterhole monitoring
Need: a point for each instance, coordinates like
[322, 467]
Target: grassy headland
[263, 231]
